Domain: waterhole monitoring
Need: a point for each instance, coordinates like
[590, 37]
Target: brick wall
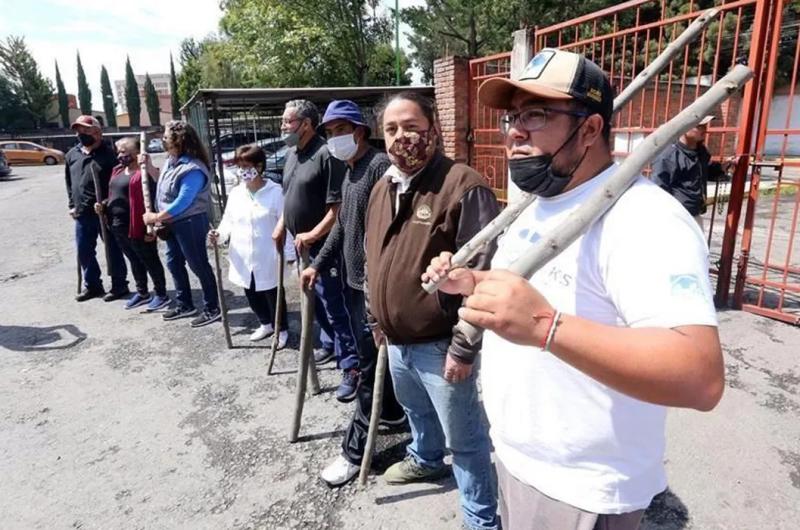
[451, 83]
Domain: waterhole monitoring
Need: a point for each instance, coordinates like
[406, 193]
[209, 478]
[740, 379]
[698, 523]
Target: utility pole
[397, 40]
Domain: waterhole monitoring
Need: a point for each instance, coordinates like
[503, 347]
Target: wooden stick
[102, 217]
[223, 306]
[555, 241]
[277, 312]
[306, 351]
[148, 204]
[375, 414]
[500, 223]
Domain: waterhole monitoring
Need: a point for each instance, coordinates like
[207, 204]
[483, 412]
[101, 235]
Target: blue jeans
[188, 245]
[446, 415]
[337, 328]
[87, 230]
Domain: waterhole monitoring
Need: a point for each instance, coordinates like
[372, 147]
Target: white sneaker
[283, 338]
[339, 472]
[262, 332]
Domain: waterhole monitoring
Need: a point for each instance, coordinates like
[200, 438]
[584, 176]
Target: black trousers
[264, 304]
[356, 436]
[143, 257]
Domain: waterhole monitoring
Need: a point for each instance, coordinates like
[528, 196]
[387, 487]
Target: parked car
[155, 146]
[5, 167]
[24, 152]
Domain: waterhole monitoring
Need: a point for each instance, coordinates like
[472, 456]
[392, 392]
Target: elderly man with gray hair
[312, 187]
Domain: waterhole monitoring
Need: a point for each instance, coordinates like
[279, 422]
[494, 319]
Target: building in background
[54, 117]
[161, 83]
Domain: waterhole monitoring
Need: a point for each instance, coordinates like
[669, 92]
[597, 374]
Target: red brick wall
[451, 84]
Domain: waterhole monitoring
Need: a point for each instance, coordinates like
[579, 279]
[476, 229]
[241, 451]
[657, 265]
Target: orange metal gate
[624, 39]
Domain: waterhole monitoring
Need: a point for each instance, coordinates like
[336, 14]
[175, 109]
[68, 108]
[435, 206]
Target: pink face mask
[412, 150]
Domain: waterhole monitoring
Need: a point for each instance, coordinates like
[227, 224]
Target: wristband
[552, 332]
[552, 317]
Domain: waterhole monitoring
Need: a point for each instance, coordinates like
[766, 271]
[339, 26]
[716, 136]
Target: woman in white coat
[254, 208]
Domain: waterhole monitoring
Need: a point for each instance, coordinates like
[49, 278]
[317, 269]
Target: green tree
[109, 105]
[190, 77]
[84, 93]
[281, 43]
[132, 101]
[173, 90]
[13, 114]
[63, 102]
[151, 101]
[21, 76]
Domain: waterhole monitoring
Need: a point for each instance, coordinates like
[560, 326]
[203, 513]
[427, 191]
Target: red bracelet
[549, 327]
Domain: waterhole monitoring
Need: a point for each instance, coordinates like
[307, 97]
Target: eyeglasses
[532, 119]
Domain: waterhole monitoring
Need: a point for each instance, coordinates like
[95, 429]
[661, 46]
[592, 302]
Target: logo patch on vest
[424, 212]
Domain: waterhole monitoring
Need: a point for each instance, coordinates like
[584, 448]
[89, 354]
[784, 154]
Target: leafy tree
[151, 101]
[173, 90]
[329, 42]
[63, 102]
[13, 114]
[32, 92]
[109, 105]
[84, 93]
[190, 77]
[132, 101]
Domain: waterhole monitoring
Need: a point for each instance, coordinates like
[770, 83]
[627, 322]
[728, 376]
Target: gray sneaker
[408, 470]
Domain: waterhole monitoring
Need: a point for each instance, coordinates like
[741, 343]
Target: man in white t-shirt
[580, 362]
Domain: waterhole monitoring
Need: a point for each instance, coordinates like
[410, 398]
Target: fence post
[451, 85]
[521, 55]
[744, 145]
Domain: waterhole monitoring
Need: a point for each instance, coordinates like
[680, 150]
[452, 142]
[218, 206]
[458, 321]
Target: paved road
[112, 419]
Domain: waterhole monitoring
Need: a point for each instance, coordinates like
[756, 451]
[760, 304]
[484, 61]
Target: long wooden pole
[375, 414]
[148, 204]
[223, 306]
[277, 312]
[493, 230]
[306, 353]
[558, 239]
[102, 217]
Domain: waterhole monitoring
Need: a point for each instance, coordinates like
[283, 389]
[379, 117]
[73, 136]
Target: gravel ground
[115, 419]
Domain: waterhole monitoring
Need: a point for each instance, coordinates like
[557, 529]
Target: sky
[106, 31]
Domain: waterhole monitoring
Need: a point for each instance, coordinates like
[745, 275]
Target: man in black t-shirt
[312, 187]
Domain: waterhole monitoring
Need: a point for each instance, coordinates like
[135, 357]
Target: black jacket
[684, 172]
[80, 186]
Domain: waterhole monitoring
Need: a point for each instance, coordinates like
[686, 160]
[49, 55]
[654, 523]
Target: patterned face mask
[412, 150]
[248, 174]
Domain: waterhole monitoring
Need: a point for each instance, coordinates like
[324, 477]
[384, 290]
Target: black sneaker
[116, 295]
[349, 386]
[206, 317]
[88, 294]
[179, 312]
[322, 356]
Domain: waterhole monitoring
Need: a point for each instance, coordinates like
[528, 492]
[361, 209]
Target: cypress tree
[63, 103]
[84, 93]
[132, 101]
[173, 89]
[109, 106]
[151, 101]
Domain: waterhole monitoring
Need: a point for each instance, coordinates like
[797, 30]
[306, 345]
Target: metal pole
[397, 40]
[220, 176]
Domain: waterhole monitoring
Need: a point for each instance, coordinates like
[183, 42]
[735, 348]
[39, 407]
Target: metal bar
[219, 178]
[597, 14]
[780, 286]
[771, 313]
[790, 247]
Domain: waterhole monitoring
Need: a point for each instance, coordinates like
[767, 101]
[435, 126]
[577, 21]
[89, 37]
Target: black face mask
[86, 139]
[125, 160]
[535, 174]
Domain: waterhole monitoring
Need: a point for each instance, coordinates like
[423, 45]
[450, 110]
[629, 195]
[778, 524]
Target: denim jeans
[446, 415]
[336, 324]
[187, 244]
[87, 230]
